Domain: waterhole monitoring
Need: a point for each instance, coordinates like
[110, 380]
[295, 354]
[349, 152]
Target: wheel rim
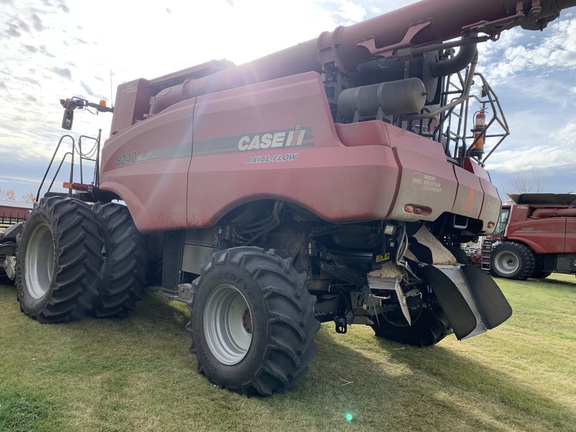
[506, 263]
[228, 324]
[39, 261]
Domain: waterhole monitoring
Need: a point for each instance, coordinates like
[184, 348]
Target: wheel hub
[507, 263]
[247, 321]
[228, 324]
[40, 261]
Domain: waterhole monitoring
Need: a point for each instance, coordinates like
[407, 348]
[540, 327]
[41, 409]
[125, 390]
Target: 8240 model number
[126, 159]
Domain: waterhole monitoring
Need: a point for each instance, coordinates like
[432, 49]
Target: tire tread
[290, 346]
[78, 244]
[124, 273]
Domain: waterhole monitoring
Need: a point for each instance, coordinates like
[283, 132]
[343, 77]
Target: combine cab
[333, 181]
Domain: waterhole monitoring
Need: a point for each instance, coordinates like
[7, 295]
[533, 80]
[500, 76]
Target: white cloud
[544, 147]
[567, 135]
[350, 12]
[518, 52]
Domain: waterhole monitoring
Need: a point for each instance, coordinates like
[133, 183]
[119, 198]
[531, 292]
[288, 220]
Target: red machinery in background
[534, 237]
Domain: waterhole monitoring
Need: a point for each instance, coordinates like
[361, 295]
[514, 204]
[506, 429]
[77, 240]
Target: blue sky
[52, 49]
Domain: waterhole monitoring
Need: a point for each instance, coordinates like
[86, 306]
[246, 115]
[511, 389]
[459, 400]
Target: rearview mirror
[67, 119]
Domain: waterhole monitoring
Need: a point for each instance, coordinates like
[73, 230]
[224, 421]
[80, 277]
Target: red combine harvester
[534, 237]
[331, 181]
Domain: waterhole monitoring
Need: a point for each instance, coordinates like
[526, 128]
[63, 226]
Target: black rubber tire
[512, 261]
[124, 271]
[271, 345]
[428, 327]
[59, 260]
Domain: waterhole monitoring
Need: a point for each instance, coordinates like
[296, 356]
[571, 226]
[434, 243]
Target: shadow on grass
[436, 388]
[551, 280]
[561, 283]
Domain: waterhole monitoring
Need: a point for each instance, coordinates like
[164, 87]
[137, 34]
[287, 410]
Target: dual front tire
[126, 263]
[59, 260]
[73, 260]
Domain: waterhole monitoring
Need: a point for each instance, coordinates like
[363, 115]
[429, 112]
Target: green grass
[136, 375]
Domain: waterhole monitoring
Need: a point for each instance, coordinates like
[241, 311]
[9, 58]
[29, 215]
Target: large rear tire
[124, 272]
[429, 326]
[59, 260]
[252, 322]
[512, 261]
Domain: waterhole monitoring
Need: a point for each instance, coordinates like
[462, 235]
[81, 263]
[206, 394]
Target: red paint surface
[189, 171]
[545, 235]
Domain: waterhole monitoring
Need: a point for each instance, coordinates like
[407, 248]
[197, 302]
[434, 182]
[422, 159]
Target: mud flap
[471, 300]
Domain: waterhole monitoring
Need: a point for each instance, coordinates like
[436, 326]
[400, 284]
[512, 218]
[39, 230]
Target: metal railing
[76, 156]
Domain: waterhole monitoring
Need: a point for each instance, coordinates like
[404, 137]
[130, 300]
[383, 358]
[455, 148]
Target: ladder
[486, 254]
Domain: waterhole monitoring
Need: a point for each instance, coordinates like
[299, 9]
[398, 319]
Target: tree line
[10, 195]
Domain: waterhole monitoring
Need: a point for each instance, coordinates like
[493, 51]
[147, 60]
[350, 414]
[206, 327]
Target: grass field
[137, 375]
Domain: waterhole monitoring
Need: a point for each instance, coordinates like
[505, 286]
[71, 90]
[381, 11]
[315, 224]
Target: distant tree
[534, 180]
[29, 197]
[7, 195]
[10, 195]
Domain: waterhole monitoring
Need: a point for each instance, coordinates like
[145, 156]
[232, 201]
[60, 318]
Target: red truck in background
[534, 237]
[333, 181]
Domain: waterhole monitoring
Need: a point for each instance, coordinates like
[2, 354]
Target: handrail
[93, 155]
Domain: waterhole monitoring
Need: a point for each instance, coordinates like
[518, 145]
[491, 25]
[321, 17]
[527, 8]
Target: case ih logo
[299, 136]
[270, 140]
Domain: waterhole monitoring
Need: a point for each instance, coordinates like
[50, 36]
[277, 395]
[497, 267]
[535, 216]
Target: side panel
[469, 194]
[147, 165]
[425, 182]
[490, 207]
[542, 235]
[277, 140]
[570, 235]
[491, 203]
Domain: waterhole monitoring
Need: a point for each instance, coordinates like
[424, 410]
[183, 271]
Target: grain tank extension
[333, 181]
